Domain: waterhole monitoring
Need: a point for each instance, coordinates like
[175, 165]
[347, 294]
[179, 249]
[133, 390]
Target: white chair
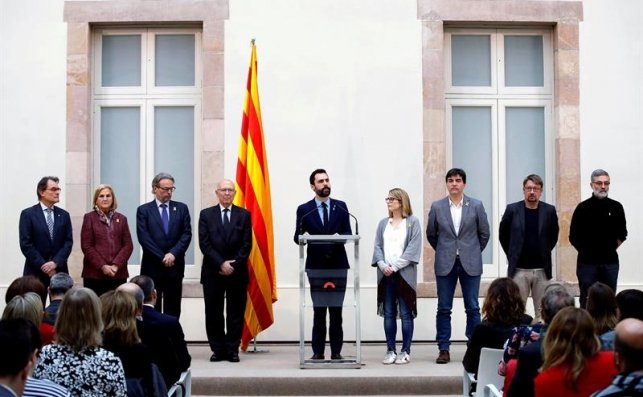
[487, 374]
[183, 386]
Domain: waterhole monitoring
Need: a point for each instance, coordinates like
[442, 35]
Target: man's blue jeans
[470, 286]
[391, 300]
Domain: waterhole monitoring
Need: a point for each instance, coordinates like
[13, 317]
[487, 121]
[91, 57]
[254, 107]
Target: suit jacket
[471, 240]
[512, 234]
[155, 243]
[171, 327]
[37, 245]
[324, 255]
[219, 245]
[105, 245]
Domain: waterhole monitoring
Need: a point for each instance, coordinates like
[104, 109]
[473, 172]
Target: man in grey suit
[458, 231]
[528, 233]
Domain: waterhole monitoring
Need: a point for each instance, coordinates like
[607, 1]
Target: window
[146, 116]
[499, 99]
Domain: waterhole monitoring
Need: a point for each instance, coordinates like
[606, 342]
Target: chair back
[488, 369]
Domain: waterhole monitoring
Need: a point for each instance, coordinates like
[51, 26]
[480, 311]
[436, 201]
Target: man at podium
[326, 262]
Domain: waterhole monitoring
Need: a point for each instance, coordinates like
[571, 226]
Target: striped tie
[50, 221]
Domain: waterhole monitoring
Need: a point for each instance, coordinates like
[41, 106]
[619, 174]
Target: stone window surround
[80, 17]
[564, 17]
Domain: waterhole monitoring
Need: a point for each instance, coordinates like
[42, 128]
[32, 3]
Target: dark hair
[24, 284]
[503, 303]
[314, 173]
[601, 305]
[456, 172]
[42, 184]
[630, 304]
[16, 345]
[534, 178]
[147, 285]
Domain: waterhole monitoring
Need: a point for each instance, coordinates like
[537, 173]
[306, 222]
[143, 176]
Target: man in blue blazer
[225, 238]
[326, 263]
[45, 233]
[164, 231]
[528, 234]
[458, 231]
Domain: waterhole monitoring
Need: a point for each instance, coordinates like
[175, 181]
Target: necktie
[165, 217]
[226, 218]
[50, 222]
[325, 213]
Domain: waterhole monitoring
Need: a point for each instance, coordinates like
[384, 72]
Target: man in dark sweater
[596, 231]
[528, 234]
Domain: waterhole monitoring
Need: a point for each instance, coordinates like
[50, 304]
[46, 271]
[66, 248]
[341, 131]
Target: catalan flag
[253, 193]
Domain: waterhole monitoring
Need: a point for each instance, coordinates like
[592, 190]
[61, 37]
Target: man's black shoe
[336, 356]
[317, 356]
[216, 357]
[233, 357]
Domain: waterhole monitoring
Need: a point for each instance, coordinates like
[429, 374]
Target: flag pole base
[255, 349]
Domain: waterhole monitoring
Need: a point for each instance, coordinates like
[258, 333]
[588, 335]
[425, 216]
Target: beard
[324, 192]
[600, 194]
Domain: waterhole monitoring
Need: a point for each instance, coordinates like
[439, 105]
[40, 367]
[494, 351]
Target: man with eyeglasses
[528, 234]
[596, 231]
[45, 233]
[164, 230]
[225, 239]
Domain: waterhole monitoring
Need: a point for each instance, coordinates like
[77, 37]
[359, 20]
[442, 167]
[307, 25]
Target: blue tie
[165, 217]
[325, 214]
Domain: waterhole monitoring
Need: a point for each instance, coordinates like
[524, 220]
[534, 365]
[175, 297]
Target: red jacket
[598, 373]
[105, 245]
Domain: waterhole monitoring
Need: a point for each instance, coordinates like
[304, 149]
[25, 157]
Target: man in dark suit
[326, 263]
[530, 357]
[225, 238]
[169, 325]
[528, 233]
[45, 233]
[164, 231]
[458, 231]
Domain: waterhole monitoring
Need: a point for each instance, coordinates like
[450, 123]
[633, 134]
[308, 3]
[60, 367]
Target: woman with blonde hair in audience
[29, 307]
[106, 242]
[119, 310]
[573, 364]
[76, 360]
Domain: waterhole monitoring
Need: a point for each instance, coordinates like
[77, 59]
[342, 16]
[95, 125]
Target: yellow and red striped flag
[253, 193]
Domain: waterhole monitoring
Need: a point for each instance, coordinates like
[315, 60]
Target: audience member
[60, 283]
[601, 305]
[630, 305]
[502, 310]
[106, 242]
[77, 361]
[29, 307]
[156, 337]
[628, 356]
[573, 364]
[119, 311]
[25, 284]
[530, 356]
[17, 356]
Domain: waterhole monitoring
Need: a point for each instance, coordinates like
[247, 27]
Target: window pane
[471, 60]
[121, 61]
[174, 60]
[525, 131]
[119, 162]
[524, 61]
[174, 153]
[471, 134]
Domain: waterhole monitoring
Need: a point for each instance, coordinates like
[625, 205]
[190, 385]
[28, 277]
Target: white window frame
[151, 51]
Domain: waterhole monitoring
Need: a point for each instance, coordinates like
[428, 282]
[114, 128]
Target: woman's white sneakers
[389, 358]
[392, 358]
[403, 358]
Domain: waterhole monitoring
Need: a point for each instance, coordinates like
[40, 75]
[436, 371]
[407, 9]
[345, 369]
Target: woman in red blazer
[573, 364]
[106, 242]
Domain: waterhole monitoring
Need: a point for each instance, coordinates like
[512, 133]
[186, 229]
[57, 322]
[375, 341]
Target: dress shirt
[158, 207]
[456, 214]
[320, 209]
[394, 240]
[223, 213]
[44, 211]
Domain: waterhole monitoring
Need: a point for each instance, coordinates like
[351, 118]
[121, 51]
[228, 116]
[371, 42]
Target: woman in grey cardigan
[398, 246]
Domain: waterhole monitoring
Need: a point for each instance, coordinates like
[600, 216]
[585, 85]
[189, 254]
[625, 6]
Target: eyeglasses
[391, 199]
[600, 183]
[167, 189]
[54, 189]
[531, 189]
[226, 190]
